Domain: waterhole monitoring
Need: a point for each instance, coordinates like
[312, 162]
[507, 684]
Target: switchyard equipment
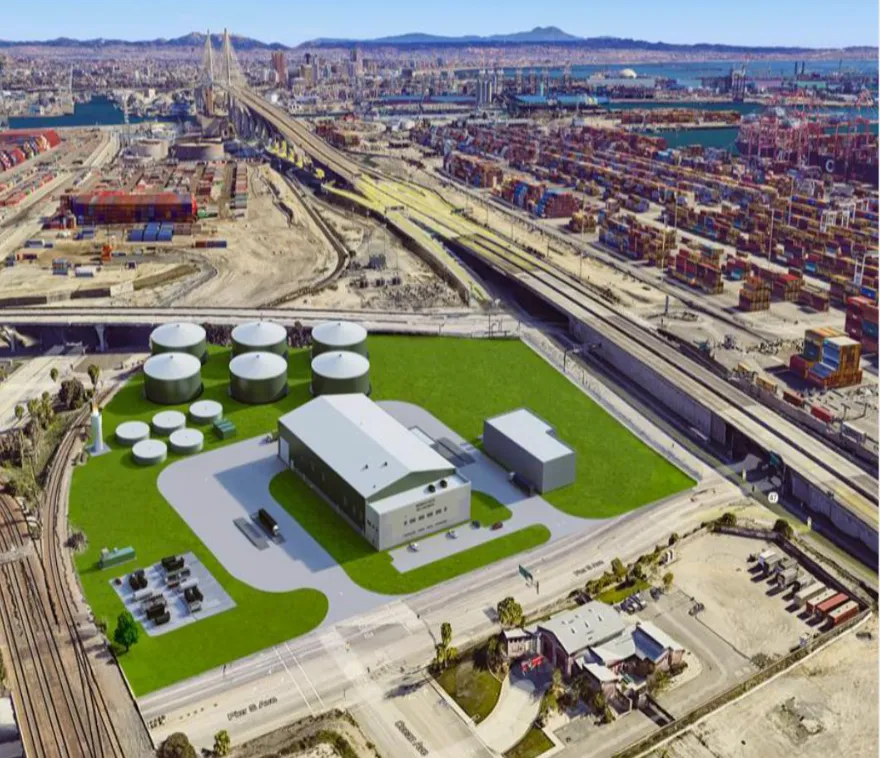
[340, 373]
[179, 338]
[172, 378]
[149, 452]
[167, 422]
[339, 335]
[205, 412]
[259, 336]
[131, 432]
[256, 378]
[390, 484]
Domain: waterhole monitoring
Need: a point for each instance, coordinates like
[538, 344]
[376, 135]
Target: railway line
[60, 706]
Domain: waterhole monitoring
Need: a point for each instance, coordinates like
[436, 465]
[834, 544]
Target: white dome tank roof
[130, 432]
[169, 367]
[259, 334]
[178, 335]
[255, 366]
[148, 452]
[165, 422]
[186, 441]
[205, 411]
[339, 333]
[340, 364]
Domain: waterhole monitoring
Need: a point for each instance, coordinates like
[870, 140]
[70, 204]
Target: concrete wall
[425, 515]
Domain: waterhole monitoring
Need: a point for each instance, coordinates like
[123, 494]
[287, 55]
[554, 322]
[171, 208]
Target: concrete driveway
[516, 709]
[211, 490]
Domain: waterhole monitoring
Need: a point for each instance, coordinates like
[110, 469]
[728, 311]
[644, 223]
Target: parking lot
[741, 607]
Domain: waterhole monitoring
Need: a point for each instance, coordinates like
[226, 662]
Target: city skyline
[809, 23]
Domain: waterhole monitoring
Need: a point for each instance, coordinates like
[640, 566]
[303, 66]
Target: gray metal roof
[259, 334]
[340, 365]
[531, 433]
[168, 367]
[206, 408]
[339, 333]
[590, 624]
[178, 335]
[257, 365]
[133, 430]
[362, 443]
[169, 419]
[149, 449]
[186, 437]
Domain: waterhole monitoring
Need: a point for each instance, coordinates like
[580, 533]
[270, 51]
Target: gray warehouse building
[390, 485]
[527, 445]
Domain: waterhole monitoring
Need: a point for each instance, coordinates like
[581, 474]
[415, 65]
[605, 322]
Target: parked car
[475, 524]
[452, 534]
[497, 525]
[414, 547]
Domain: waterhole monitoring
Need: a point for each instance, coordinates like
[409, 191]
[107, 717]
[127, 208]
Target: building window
[422, 517]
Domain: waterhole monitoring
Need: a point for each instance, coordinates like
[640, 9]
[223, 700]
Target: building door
[284, 450]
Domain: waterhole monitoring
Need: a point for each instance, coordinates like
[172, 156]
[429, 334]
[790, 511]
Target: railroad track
[61, 709]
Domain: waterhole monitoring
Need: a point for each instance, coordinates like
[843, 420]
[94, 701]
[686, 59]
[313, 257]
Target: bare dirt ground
[266, 257]
[296, 740]
[419, 288]
[714, 569]
[825, 706]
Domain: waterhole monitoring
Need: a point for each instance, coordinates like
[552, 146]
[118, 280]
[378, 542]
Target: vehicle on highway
[497, 525]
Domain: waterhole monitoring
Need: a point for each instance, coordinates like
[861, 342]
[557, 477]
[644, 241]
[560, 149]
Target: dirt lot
[266, 256]
[826, 706]
[299, 739]
[419, 288]
[714, 569]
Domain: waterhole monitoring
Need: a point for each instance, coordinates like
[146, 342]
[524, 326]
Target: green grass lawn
[117, 503]
[475, 690]
[374, 570]
[621, 591]
[464, 381]
[533, 744]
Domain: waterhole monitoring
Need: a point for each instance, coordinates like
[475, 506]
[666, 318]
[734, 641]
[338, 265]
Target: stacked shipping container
[861, 322]
[128, 208]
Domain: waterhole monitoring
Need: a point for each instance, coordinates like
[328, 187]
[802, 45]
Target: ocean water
[99, 111]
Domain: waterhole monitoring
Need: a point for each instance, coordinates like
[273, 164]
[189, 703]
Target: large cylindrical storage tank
[340, 373]
[257, 377]
[339, 335]
[259, 337]
[172, 378]
[179, 338]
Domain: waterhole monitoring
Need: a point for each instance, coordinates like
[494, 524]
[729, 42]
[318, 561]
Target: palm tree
[53, 374]
[95, 375]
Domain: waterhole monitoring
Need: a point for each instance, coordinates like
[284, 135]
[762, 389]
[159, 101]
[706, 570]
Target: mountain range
[540, 35]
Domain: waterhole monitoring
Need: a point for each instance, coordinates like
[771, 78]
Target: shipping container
[843, 613]
[831, 603]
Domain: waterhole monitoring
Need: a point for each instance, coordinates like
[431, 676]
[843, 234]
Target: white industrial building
[527, 445]
[384, 479]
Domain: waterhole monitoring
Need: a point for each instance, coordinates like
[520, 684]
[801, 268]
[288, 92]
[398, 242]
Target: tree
[72, 394]
[176, 746]
[637, 573]
[127, 632]
[668, 579]
[446, 633]
[784, 528]
[618, 568]
[53, 374]
[727, 519]
[550, 702]
[510, 613]
[673, 538]
[222, 743]
[657, 682]
[94, 374]
[598, 702]
[556, 684]
[444, 652]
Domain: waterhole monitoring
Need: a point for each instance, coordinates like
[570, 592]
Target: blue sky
[812, 23]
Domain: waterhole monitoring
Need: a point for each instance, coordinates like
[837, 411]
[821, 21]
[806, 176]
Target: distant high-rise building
[279, 64]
